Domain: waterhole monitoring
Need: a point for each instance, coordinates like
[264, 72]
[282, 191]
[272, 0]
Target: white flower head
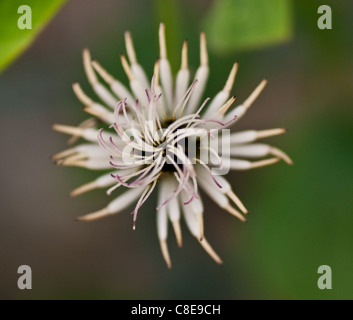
[162, 136]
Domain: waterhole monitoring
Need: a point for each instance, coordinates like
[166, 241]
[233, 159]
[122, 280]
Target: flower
[161, 137]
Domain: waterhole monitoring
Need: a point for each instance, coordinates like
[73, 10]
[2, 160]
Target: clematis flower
[160, 136]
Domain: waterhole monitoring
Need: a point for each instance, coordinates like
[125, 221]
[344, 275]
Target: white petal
[211, 251]
[100, 90]
[87, 133]
[116, 86]
[190, 217]
[136, 68]
[169, 185]
[105, 95]
[240, 110]
[124, 200]
[252, 135]
[220, 98]
[122, 92]
[140, 75]
[183, 76]
[251, 150]
[236, 164]
[193, 225]
[117, 205]
[162, 217]
[92, 107]
[213, 190]
[139, 92]
[95, 164]
[173, 209]
[92, 151]
[166, 81]
[243, 137]
[100, 112]
[182, 84]
[256, 150]
[223, 95]
[201, 76]
[103, 181]
[165, 252]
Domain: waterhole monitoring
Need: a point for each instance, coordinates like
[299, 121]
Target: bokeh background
[301, 215]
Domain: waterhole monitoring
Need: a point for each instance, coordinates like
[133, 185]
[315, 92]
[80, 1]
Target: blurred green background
[301, 215]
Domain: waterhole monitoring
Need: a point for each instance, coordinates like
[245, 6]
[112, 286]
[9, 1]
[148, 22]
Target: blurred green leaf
[246, 24]
[14, 40]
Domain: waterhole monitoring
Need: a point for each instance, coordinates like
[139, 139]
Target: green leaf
[13, 40]
[247, 24]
